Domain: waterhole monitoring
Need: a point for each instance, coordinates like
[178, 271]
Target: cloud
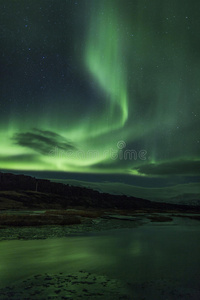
[179, 167]
[42, 141]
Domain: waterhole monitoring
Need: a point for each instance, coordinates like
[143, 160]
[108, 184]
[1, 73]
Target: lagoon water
[153, 256]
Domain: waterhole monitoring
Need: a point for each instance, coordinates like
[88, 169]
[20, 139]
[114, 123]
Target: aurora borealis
[84, 81]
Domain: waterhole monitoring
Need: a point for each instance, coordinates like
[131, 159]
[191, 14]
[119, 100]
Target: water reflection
[134, 255]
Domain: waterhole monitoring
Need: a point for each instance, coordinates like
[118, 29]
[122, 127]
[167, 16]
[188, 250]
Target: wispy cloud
[42, 141]
[178, 167]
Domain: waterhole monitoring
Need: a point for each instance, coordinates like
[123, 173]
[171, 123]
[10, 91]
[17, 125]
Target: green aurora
[101, 87]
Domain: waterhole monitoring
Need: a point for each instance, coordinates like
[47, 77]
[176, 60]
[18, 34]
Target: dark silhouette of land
[26, 192]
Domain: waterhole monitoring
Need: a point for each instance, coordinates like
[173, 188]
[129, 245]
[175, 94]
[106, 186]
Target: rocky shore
[56, 231]
[78, 285]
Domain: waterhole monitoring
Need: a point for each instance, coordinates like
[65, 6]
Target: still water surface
[150, 252]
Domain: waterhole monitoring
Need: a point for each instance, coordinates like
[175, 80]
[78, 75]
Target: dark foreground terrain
[133, 236]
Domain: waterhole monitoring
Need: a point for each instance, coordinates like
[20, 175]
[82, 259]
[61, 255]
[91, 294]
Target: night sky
[103, 91]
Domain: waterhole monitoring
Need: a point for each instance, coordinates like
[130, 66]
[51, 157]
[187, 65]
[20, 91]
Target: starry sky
[102, 93]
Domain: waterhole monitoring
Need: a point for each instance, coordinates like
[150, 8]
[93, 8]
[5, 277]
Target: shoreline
[86, 225]
[58, 231]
